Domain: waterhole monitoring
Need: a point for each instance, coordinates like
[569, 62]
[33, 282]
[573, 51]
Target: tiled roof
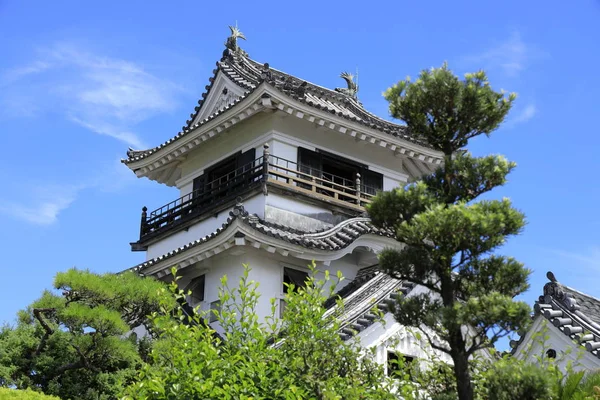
[319, 97]
[375, 289]
[575, 314]
[136, 155]
[249, 74]
[365, 301]
[330, 239]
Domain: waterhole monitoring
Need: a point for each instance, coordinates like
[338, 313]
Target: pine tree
[74, 342]
[449, 238]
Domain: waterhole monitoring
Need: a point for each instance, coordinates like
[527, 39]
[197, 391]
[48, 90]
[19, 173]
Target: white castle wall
[266, 268]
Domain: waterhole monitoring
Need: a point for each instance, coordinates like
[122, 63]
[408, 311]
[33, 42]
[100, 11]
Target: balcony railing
[268, 169]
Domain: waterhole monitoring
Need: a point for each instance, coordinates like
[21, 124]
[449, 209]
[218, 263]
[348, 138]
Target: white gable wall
[543, 336]
[216, 99]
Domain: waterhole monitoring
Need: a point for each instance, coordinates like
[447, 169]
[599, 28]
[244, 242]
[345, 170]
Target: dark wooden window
[372, 181]
[309, 162]
[294, 277]
[245, 159]
[218, 180]
[199, 183]
[338, 170]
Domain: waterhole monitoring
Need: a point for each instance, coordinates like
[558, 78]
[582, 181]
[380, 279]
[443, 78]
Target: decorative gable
[221, 93]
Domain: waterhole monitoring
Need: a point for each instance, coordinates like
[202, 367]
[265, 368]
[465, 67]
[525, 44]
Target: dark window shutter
[246, 158]
[371, 181]
[244, 166]
[309, 162]
[199, 183]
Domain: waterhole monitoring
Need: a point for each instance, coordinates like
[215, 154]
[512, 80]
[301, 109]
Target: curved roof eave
[324, 245]
[248, 75]
[262, 98]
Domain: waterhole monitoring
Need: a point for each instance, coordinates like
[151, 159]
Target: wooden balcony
[266, 170]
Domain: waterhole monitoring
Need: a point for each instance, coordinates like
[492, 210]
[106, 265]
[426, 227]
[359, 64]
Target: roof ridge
[328, 90]
[580, 292]
[337, 227]
[249, 75]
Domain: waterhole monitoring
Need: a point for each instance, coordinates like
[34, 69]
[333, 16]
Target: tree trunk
[462, 373]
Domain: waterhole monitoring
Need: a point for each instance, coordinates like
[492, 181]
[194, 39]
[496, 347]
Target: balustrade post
[143, 222]
[358, 189]
[266, 155]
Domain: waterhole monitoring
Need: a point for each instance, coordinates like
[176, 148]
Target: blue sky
[80, 82]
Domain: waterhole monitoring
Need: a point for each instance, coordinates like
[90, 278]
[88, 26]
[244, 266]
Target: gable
[221, 93]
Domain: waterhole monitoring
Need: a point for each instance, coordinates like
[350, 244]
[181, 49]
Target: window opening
[293, 276]
[196, 286]
[393, 364]
[337, 173]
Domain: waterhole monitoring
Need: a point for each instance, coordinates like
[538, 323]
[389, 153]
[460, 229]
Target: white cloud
[17, 73]
[108, 96]
[44, 204]
[511, 56]
[104, 95]
[589, 258]
[104, 129]
[526, 114]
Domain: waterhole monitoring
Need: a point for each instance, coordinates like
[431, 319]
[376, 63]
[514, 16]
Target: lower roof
[330, 239]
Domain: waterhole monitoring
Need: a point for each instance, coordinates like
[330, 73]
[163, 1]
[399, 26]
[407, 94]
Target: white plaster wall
[391, 336]
[550, 337]
[240, 137]
[290, 204]
[186, 189]
[254, 205]
[216, 94]
[390, 183]
[285, 150]
[266, 269]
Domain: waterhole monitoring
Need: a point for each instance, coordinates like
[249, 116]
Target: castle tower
[274, 172]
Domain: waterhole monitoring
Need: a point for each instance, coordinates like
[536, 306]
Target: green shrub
[511, 379]
[11, 394]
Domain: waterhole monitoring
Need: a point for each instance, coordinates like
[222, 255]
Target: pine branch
[38, 313]
[433, 344]
[74, 365]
